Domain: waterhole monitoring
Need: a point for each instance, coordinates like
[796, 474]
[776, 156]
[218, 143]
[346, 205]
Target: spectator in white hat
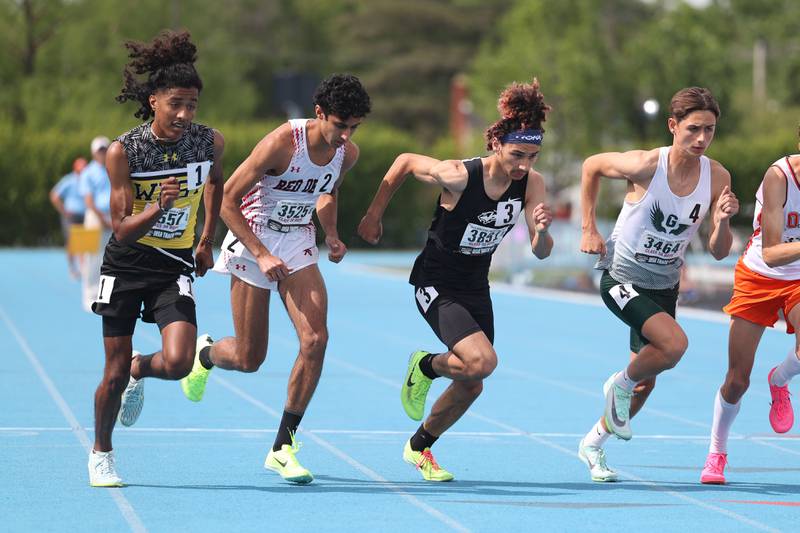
[96, 191]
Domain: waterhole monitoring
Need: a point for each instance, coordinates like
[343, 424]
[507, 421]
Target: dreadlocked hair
[521, 106]
[167, 62]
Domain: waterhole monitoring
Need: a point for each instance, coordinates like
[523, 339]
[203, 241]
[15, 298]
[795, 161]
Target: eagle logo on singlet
[657, 218]
[488, 217]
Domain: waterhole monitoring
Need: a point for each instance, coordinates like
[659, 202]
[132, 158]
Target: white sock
[785, 371]
[597, 436]
[724, 415]
[623, 380]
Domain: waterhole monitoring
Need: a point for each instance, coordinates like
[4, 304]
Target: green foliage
[48, 155]
[409, 212]
[748, 156]
[407, 54]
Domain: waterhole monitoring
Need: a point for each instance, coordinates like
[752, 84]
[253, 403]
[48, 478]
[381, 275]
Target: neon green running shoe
[426, 464]
[194, 385]
[415, 388]
[286, 464]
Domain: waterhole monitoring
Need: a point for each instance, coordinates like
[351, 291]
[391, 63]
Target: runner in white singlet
[670, 190]
[271, 246]
[767, 281]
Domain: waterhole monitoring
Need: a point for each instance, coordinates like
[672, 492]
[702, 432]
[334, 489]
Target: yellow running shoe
[286, 464]
[426, 464]
[194, 385]
[415, 387]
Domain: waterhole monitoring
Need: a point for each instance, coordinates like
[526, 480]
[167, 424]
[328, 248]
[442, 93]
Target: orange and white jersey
[286, 202]
[752, 256]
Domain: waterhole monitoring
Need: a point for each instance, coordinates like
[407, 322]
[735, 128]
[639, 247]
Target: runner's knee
[673, 348]
[735, 386]
[313, 343]
[177, 366]
[480, 365]
[115, 381]
[251, 355]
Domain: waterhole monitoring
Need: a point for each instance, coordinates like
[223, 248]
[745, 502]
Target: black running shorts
[121, 301]
[453, 315]
[634, 305]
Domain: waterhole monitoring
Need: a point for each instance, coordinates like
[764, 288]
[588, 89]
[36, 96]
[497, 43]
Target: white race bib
[288, 213]
[425, 297]
[507, 213]
[104, 289]
[623, 294]
[171, 223]
[480, 240]
[196, 174]
[658, 249]
[185, 286]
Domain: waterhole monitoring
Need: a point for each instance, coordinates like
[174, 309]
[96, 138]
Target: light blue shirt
[67, 190]
[94, 180]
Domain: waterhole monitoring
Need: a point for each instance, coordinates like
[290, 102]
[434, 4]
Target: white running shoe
[618, 409]
[132, 400]
[101, 470]
[595, 458]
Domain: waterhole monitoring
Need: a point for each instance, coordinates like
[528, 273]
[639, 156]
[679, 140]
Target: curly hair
[342, 95]
[692, 99]
[521, 106]
[168, 61]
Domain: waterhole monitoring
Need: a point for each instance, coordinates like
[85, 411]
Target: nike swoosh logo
[282, 463]
[409, 382]
[614, 418]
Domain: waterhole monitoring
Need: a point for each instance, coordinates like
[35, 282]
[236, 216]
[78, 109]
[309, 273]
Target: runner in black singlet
[480, 202]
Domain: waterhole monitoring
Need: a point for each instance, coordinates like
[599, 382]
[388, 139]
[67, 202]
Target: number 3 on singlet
[425, 297]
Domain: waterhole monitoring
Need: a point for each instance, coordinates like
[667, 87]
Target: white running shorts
[297, 248]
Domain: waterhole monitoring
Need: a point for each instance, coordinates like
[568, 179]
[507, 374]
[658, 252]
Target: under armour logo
[307, 251]
[294, 169]
[241, 267]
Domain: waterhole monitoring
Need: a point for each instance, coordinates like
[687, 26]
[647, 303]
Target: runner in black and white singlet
[670, 191]
[271, 246]
[480, 202]
[159, 172]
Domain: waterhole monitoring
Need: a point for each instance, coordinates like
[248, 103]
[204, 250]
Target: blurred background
[434, 69]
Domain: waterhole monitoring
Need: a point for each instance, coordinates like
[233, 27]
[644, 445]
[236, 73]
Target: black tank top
[461, 242]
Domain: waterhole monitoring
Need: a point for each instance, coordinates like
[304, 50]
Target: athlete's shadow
[470, 487]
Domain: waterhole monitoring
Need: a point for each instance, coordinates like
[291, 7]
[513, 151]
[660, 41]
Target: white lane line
[356, 431]
[572, 453]
[538, 293]
[122, 502]
[413, 500]
[730, 514]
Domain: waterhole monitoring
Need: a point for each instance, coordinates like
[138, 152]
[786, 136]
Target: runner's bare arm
[128, 228]
[451, 175]
[538, 216]
[212, 201]
[636, 166]
[723, 206]
[775, 252]
[328, 208]
[271, 155]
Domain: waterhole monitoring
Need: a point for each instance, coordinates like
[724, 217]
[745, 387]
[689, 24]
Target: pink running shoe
[714, 470]
[781, 414]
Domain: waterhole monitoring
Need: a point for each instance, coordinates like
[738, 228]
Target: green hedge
[33, 162]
